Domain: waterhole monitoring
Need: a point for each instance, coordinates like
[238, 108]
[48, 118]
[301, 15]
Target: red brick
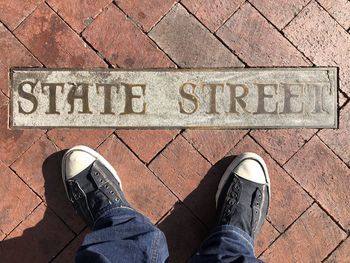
[67, 138]
[40, 167]
[288, 199]
[189, 43]
[201, 201]
[145, 12]
[281, 12]
[3, 100]
[214, 144]
[311, 238]
[78, 13]
[53, 42]
[15, 11]
[341, 254]
[146, 143]
[339, 9]
[37, 239]
[267, 235]
[325, 177]
[122, 43]
[14, 142]
[68, 254]
[322, 40]
[142, 189]
[29, 165]
[338, 139]
[282, 144]
[17, 200]
[180, 167]
[13, 54]
[341, 99]
[212, 13]
[2, 235]
[184, 233]
[257, 42]
[4, 80]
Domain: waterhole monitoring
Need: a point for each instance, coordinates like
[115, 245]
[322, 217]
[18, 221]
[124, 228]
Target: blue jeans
[124, 235]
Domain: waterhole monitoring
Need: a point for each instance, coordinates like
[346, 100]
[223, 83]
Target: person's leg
[242, 202]
[119, 233]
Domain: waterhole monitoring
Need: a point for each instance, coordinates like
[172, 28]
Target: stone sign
[201, 98]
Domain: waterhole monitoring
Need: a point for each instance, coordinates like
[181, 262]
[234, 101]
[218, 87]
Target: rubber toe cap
[77, 161]
[251, 170]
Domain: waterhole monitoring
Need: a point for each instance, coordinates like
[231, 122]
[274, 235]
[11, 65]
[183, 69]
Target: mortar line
[93, 18]
[230, 16]
[347, 232]
[290, 21]
[3, 93]
[104, 140]
[341, 159]
[30, 146]
[34, 192]
[244, 64]
[287, 228]
[311, 195]
[99, 54]
[204, 157]
[24, 46]
[77, 34]
[164, 15]
[321, 6]
[165, 146]
[20, 23]
[336, 248]
[22, 220]
[284, 36]
[66, 245]
[146, 35]
[282, 166]
[60, 218]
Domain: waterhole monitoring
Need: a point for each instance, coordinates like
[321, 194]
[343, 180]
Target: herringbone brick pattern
[172, 175]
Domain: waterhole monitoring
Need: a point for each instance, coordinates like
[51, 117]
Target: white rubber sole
[234, 164]
[95, 155]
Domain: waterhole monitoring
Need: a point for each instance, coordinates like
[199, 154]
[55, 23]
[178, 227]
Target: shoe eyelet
[106, 186]
[97, 173]
[111, 192]
[101, 180]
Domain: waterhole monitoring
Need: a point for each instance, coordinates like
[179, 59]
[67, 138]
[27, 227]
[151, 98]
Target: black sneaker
[243, 194]
[91, 183]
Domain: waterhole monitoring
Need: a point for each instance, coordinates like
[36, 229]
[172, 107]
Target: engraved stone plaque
[173, 98]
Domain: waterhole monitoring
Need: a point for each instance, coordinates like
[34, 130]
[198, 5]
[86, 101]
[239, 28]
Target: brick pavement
[171, 175]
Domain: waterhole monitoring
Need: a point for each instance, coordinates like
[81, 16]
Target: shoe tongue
[96, 199]
[85, 180]
[241, 214]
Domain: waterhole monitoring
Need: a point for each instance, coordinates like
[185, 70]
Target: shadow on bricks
[43, 234]
[189, 223]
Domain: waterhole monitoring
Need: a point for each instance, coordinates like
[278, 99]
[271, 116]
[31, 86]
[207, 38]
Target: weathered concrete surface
[222, 98]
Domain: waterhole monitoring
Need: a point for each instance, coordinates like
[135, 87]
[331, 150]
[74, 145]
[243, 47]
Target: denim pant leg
[226, 244]
[123, 235]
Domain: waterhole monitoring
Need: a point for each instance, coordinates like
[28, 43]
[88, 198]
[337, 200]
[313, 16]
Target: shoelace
[231, 200]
